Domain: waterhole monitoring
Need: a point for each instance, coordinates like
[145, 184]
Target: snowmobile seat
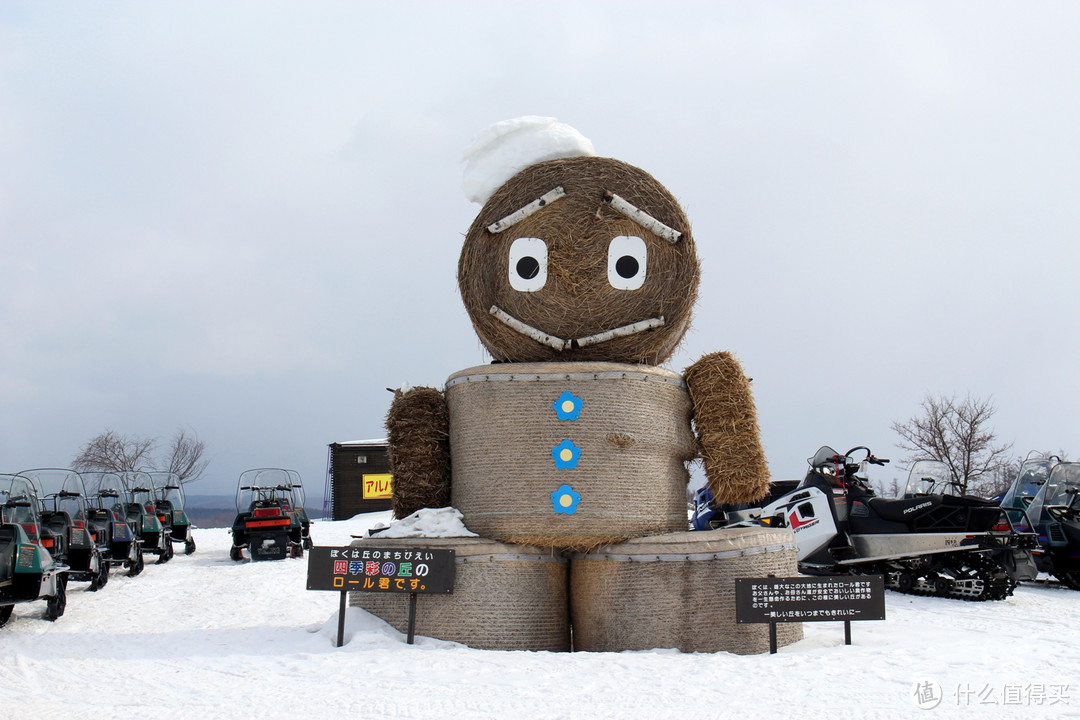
[57, 521]
[904, 509]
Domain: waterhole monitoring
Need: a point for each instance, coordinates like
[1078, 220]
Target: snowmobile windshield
[297, 489]
[168, 487]
[18, 501]
[175, 495]
[930, 477]
[1032, 476]
[60, 490]
[1059, 490]
[263, 485]
[824, 457]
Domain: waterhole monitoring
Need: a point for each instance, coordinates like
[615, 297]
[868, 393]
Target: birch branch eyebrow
[518, 215]
[641, 217]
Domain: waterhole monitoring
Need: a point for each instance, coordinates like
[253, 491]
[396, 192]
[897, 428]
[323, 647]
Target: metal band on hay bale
[577, 300]
[624, 431]
[727, 425]
[506, 597]
[419, 450]
[677, 591]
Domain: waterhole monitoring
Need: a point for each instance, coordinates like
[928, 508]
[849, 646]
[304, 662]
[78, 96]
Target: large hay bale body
[630, 428]
[506, 597]
[677, 591]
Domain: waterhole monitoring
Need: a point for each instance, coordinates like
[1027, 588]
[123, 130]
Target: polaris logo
[920, 506]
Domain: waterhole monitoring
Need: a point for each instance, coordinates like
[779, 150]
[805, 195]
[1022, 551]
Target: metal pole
[772, 638]
[341, 620]
[412, 617]
[847, 632]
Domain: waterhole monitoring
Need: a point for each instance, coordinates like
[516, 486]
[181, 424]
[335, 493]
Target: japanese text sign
[388, 570]
[810, 599]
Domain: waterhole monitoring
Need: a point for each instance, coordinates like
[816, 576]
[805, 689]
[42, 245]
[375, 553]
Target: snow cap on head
[505, 148]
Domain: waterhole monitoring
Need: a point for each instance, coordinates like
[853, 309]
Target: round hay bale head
[571, 285]
[569, 455]
[506, 597]
[677, 591]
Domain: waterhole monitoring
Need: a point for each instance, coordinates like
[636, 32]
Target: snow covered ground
[204, 637]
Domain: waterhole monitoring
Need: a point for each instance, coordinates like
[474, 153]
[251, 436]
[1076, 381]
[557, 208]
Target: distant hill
[210, 511]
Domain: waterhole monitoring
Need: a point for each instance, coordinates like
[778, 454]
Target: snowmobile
[956, 546]
[143, 517]
[28, 571]
[170, 508]
[266, 524]
[1052, 511]
[64, 518]
[710, 515]
[108, 521]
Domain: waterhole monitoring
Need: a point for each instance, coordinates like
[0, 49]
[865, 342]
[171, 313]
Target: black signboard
[380, 570]
[402, 570]
[809, 599]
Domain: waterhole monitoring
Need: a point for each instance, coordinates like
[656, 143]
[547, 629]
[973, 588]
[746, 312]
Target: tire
[236, 553]
[57, 603]
[904, 581]
[5, 614]
[296, 551]
[137, 565]
[308, 544]
[101, 579]
[189, 547]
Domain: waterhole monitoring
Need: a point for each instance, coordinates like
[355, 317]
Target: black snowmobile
[28, 571]
[942, 544]
[1044, 497]
[170, 508]
[143, 516]
[64, 524]
[266, 524]
[108, 521]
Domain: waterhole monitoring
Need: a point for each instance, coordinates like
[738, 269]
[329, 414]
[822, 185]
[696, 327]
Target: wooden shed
[357, 478]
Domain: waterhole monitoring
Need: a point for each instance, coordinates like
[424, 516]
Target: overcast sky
[243, 218]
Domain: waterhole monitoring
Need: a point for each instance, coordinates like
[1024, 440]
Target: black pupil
[626, 266]
[528, 267]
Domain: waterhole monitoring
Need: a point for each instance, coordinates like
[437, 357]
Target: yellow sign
[377, 486]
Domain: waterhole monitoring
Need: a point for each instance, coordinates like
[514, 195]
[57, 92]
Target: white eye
[528, 264]
[626, 262]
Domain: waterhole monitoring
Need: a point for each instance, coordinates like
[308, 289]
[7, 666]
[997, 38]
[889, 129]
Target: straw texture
[418, 439]
[726, 423]
[632, 431]
[506, 597]
[677, 591]
[577, 300]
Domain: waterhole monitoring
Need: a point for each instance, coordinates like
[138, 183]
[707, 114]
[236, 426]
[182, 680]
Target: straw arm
[725, 421]
[418, 433]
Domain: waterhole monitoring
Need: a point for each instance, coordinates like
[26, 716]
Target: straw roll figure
[579, 276]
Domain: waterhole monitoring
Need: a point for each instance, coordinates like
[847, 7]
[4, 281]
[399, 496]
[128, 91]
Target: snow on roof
[379, 441]
[502, 150]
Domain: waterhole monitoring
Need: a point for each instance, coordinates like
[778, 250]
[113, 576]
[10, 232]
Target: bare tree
[112, 452]
[956, 433]
[186, 456]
